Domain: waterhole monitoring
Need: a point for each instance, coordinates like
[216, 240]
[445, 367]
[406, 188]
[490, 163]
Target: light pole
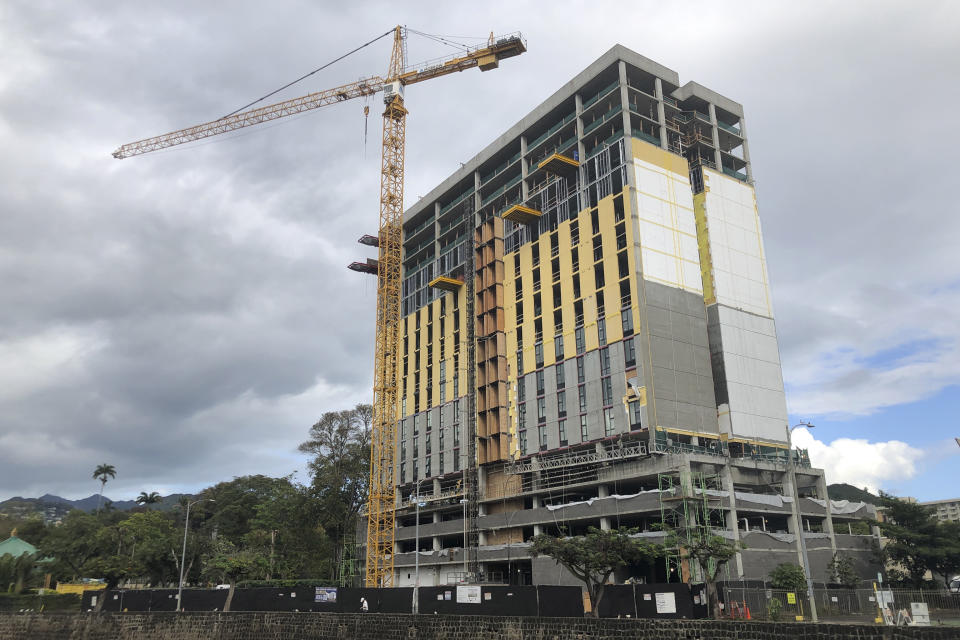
[798, 523]
[183, 554]
[416, 553]
[466, 570]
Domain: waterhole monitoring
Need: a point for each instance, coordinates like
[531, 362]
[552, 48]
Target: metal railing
[600, 94]
[839, 605]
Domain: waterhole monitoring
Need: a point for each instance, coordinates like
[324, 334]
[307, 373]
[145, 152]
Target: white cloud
[42, 360]
[860, 462]
[176, 314]
[866, 350]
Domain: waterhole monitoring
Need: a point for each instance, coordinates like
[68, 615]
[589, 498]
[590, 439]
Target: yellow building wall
[431, 316]
[588, 293]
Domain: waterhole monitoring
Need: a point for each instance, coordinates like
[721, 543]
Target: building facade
[588, 340]
[944, 510]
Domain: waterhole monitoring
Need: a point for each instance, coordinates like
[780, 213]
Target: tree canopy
[595, 556]
[917, 542]
[789, 576]
[248, 528]
[711, 553]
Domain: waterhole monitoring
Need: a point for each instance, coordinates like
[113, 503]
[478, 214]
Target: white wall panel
[667, 227]
[754, 381]
[736, 249]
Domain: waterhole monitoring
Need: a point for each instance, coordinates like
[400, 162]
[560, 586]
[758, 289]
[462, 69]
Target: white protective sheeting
[759, 498]
[668, 230]
[756, 403]
[590, 501]
[842, 507]
[736, 245]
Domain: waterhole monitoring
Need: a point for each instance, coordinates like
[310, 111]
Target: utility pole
[798, 522]
[183, 554]
[273, 540]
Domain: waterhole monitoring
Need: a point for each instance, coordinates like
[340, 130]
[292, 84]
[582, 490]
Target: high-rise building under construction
[588, 341]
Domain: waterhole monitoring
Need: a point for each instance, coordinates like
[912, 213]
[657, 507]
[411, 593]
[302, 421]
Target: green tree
[75, 545]
[917, 543]
[339, 444]
[946, 563]
[16, 571]
[146, 499]
[225, 562]
[286, 529]
[711, 554]
[152, 545]
[102, 473]
[272, 518]
[789, 576]
[594, 557]
[842, 569]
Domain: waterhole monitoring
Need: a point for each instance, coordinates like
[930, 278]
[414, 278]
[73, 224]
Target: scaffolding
[350, 569]
[690, 509]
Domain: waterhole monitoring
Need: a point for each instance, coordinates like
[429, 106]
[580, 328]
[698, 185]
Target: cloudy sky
[187, 315]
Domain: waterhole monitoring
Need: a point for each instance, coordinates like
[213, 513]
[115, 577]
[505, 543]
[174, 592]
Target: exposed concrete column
[746, 150]
[733, 519]
[793, 526]
[476, 222]
[436, 486]
[606, 524]
[524, 170]
[481, 480]
[716, 136]
[603, 491]
[661, 114]
[624, 99]
[578, 102]
[436, 543]
[823, 495]
[436, 228]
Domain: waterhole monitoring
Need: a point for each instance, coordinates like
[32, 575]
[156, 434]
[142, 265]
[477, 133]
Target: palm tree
[102, 473]
[146, 499]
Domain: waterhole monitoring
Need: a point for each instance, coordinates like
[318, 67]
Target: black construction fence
[619, 601]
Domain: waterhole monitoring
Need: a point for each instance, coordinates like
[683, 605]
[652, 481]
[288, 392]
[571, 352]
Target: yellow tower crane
[381, 502]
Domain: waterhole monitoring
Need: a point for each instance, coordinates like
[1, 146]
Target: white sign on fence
[920, 614]
[666, 602]
[469, 595]
[885, 598]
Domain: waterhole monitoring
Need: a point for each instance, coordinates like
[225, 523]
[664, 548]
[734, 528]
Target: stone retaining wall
[349, 626]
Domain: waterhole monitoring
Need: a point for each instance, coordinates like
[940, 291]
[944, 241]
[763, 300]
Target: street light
[798, 523]
[183, 554]
[464, 502]
[416, 552]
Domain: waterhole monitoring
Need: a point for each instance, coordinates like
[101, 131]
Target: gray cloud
[187, 315]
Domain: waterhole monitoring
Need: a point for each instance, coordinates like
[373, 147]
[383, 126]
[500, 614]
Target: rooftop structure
[16, 547]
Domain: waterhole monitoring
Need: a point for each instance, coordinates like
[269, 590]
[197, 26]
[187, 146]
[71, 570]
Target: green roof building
[14, 546]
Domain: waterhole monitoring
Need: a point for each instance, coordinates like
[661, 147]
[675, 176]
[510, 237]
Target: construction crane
[381, 502]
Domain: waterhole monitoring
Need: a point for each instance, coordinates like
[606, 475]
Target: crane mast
[381, 500]
[382, 491]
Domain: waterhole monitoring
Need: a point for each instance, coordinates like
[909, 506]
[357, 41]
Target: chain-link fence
[840, 605]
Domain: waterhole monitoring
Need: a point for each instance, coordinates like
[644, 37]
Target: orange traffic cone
[749, 617]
